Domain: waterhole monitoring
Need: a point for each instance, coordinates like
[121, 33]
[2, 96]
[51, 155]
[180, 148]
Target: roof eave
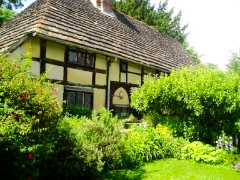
[68, 43]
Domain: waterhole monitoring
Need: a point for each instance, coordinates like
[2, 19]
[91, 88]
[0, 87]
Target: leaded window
[80, 58]
[82, 99]
[72, 57]
[123, 66]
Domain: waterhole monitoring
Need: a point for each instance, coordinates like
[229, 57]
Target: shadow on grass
[135, 174]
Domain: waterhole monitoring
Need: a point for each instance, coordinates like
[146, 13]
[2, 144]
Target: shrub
[28, 117]
[78, 111]
[141, 146]
[206, 100]
[178, 127]
[200, 152]
[171, 145]
[96, 142]
[225, 142]
[147, 144]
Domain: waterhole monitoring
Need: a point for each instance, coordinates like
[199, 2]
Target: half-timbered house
[94, 53]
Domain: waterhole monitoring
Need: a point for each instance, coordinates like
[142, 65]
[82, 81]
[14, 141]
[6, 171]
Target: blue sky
[214, 28]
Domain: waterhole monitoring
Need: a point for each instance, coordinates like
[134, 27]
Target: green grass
[175, 169]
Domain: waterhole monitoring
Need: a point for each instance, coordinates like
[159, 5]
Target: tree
[206, 101]
[29, 112]
[10, 4]
[162, 19]
[6, 15]
[234, 63]
[212, 66]
[6, 12]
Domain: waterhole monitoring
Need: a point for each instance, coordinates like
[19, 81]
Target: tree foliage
[10, 4]
[234, 63]
[162, 19]
[6, 15]
[207, 100]
[28, 116]
[94, 144]
[6, 9]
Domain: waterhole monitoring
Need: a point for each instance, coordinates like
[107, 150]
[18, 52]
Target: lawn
[174, 169]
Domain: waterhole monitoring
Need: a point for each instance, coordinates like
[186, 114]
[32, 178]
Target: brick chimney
[104, 5]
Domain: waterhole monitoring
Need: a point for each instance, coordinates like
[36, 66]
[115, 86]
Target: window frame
[125, 63]
[82, 58]
[122, 70]
[76, 94]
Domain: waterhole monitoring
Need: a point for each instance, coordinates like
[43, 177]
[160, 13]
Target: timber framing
[85, 50]
[107, 105]
[43, 48]
[142, 75]
[43, 61]
[76, 84]
[65, 65]
[68, 65]
[115, 85]
[94, 71]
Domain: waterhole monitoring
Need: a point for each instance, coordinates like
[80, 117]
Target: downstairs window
[78, 98]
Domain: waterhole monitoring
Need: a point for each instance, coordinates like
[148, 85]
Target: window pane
[88, 100]
[90, 60]
[71, 98]
[124, 66]
[81, 58]
[79, 99]
[72, 57]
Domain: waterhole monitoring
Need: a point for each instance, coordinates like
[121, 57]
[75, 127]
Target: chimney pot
[104, 5]
[107, 6]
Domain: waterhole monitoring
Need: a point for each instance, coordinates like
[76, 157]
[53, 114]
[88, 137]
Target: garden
[189, 129]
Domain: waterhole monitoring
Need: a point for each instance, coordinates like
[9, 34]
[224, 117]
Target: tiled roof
[78, 22]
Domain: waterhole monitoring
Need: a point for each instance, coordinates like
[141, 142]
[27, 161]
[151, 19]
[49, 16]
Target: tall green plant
[234, 63]
[95, 143]
[6, 9]
[207, 99]
[6, 15]
[28, 115]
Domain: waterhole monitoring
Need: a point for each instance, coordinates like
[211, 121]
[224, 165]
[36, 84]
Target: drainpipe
[108, 93]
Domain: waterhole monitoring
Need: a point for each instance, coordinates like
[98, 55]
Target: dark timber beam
[65, 65]
[65, 76]
[43, 49]
[142, 75]
[94, 71]
[107, 98]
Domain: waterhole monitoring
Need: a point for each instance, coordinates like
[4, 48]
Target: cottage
[94, 53]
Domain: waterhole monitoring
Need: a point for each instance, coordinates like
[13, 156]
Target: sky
[213, 27]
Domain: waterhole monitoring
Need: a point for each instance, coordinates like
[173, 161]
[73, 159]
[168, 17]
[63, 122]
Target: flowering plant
[225, 142]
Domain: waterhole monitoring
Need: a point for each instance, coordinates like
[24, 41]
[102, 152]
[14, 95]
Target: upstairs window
[123, 66]
[72, 57]
[81, 58]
